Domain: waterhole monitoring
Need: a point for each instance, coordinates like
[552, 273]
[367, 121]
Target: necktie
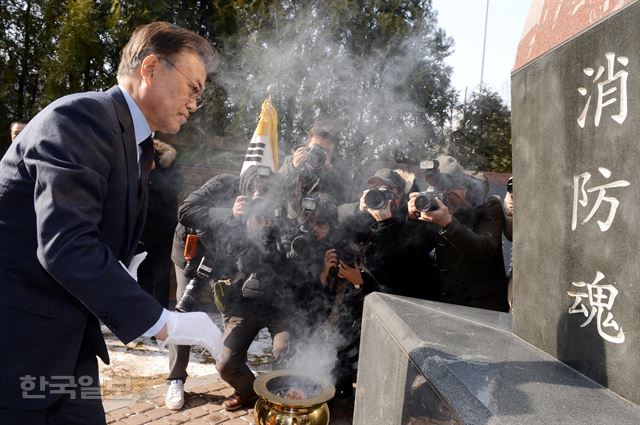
[146, 164]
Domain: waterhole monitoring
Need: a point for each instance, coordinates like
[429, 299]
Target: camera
[308, 203]
[189, 297]
[426, 201]
[346, 253]
[316, 157]
[295, 242]
[261, 183]
[431, 169]
[510, 185]
[301, 245]
[376, 199]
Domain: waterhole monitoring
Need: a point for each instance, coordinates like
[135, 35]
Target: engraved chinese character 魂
[596, 302]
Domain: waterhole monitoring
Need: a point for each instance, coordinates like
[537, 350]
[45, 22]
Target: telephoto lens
[189, 297]
[188, 300]
[376, 199]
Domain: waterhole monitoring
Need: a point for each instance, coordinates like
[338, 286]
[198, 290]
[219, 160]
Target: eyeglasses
[196, 91]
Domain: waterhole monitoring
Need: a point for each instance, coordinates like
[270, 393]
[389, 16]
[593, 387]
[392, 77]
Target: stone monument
[569, 352]
[576, 123]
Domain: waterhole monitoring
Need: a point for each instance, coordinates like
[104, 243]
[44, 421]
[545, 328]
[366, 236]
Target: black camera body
[376, 199]
[346, 253]
[426, 201]
[300, 246]
[198, 278]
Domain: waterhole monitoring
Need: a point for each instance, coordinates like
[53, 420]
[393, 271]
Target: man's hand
[508, 204]
[383, 213]
[300, 156]
[350, 273]
[194, 328]
[239, 206]
[441, 216]
[411, 206]
[330, 261]
[362, 206]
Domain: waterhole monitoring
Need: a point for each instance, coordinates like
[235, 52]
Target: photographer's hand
[411, 206]
[441, 216]
[350, 273]
[329, 262]
[381, 214]
[508, 204]
[239, 206]
[362, 206]
[300, 156]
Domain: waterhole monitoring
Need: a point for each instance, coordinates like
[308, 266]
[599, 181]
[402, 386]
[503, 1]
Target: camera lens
[316, 158]
[300, 246]
[375, 199]
[188, 300]
[426, 202]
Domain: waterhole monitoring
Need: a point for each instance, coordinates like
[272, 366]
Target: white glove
[194, 328]
[134, 264]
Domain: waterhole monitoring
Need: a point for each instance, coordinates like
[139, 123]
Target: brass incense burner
[292, 398]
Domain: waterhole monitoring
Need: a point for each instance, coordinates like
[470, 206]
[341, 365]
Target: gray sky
[464, 21]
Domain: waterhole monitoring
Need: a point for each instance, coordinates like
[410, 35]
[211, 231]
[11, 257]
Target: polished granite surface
[470, 365]
[576, 291]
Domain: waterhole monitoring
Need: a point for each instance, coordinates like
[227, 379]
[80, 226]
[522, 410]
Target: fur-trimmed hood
[165, 153]
[409, 180]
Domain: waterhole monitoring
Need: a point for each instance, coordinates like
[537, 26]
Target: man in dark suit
[72, 206]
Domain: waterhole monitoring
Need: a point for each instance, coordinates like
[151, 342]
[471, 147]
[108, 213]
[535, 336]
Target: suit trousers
[82, 407]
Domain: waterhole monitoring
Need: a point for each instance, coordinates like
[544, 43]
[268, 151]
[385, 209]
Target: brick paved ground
[203, 406]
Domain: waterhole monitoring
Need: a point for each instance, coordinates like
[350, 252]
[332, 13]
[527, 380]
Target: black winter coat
[208, 210]
[165, 182]
[469, 256]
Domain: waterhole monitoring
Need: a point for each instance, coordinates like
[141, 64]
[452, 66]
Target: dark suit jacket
[68, 213]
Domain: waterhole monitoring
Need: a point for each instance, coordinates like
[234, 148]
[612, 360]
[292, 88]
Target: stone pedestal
[423, 362]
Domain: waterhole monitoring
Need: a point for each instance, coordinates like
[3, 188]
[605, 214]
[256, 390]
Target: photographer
[312, 168]
[508, 233]
[469, 249]
[329, 293]
[260, 295]
[396, 260]
[346, 284]
[206, 211]
[165, 182]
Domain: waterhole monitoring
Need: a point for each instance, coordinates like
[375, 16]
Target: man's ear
[148, 66]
